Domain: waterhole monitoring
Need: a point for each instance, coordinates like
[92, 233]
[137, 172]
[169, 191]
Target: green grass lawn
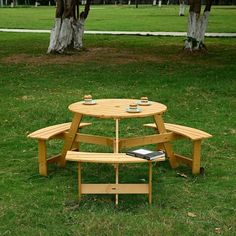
[128, 18]
[36, 89]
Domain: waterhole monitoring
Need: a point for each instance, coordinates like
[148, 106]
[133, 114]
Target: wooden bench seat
[195, 135]
[191, 133]
[111, 188]
[42, 135]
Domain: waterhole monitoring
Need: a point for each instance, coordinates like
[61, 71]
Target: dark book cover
[146, 154]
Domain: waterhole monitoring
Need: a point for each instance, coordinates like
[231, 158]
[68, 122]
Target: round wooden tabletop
[116, 108]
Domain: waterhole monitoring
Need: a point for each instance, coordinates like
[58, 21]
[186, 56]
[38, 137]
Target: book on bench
[146, 154]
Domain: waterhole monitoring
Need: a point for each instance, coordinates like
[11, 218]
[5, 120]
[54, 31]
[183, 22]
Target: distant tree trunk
[181, 7]
[14, 3]
[1, 3]
[197, 25]
[69, 26]
[159, 3]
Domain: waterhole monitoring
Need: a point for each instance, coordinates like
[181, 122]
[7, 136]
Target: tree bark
[197, 25]
[68, 29]
[181, 7]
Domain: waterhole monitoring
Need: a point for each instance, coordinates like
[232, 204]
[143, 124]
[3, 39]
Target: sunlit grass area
[120, 17]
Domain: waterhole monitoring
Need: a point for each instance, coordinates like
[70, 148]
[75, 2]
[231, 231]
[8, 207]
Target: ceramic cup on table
[144, 100]
[133, 107]
[88, 99]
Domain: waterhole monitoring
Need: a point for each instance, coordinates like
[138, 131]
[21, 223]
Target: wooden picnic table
[116, 109]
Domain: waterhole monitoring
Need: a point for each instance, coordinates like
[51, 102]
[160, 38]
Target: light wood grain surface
[116, 108]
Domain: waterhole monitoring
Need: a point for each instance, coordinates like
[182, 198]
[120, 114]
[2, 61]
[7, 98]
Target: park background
[36, 89]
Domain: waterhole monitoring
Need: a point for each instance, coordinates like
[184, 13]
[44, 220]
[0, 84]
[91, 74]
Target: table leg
[150, 183]
[79, 181]
[168, 147]
[70, 137]
[116, 151]
[117, 181]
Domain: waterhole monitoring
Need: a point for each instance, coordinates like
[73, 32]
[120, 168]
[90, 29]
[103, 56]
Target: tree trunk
[197, 25]
[181, 7]
[68, 30]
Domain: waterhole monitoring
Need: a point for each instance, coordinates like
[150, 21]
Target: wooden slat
[194, 134]
[46, 133]
[167, 145]
[49, 132]
[149, 139]
[114, 188]
[94, 139]
[109, 158]
[191, 133]
[53, 159]
[183, 159]
[70, 137]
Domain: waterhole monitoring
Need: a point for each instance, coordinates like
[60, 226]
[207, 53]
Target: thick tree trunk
[68, 30]
[197, 25]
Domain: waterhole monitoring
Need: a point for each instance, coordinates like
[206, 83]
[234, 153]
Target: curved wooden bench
[195, 135]
[44, 134]
[111, 188]
[191, 133]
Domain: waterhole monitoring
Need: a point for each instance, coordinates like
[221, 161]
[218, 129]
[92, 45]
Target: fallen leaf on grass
[182, 175]
[217, 230]
[190, 214]
[24, 97]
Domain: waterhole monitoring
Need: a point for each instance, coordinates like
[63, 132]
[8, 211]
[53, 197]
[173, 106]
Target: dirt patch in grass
[113, 56]
[99, 55]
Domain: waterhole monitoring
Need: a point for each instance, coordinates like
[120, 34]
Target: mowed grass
[35, 91]
[127, 18]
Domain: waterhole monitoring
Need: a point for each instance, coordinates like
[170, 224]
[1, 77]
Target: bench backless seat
[195, 135]
[51, 132]
[111, 188]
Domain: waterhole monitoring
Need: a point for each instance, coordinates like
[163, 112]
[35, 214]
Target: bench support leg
[43, 169]
[196, 157]
[79, 181]
[150, 183]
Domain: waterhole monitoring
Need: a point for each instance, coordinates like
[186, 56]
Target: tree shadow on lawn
[116, 56]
